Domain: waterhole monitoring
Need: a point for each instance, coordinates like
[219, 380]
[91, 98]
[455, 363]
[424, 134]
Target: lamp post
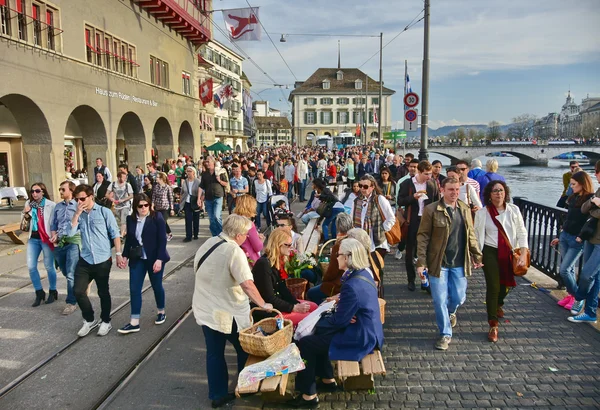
[423, 152]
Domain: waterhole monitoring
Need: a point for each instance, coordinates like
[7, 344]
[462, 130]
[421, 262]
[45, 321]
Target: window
[21, 20]
[89, 48]
[326, 117]
[160, 69]
[357, 117]
[326, 101]
[132, 64]
[342, 117]
[358, 84]
[359, 101]
[37, 25]
[51, 44]
[310, 101]
[186, 86]
[106, 52]
[340, 75]
[310, 117]
[326, 85]
[375, 100]
[98, 46]
[343, 101]
[4, 18]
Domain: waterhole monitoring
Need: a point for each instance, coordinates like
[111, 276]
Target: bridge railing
[543, 224]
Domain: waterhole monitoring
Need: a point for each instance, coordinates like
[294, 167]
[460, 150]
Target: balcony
[184, 16]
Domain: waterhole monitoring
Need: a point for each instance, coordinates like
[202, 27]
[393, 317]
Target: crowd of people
[451, 224]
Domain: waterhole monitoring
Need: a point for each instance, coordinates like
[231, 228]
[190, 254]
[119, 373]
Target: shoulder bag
[207, 254]
[394, 235]
[515, 255]
[25, 222]
[589, 229]
[404, 220]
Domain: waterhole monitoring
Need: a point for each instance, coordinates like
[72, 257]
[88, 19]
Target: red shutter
[19, 6]
[49, 18]
[87, 38]
[34, 11]
[2, 2]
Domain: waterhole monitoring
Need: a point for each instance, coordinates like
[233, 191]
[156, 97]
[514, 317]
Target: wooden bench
[271, 389]
[311, 237]
[10, 231]
[353, 378]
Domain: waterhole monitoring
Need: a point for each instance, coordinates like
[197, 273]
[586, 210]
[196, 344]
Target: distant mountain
[442, 131]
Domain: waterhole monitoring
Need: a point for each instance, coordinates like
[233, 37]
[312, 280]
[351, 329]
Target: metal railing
[543, 224]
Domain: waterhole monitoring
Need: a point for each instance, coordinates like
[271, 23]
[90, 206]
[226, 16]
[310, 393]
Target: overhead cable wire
[408, 26]
[272, 42]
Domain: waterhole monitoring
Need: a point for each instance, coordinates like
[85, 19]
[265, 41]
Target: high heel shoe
[52, 296]
[40, 296]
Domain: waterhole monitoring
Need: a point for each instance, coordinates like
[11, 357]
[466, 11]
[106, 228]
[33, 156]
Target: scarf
[362, 201]
[346, 275]
[507, 276]
[38, 223]
[282, 272]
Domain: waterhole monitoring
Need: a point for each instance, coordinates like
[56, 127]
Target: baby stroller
[273, 215]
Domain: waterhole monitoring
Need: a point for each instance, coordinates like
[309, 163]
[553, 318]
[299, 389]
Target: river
[538, 184]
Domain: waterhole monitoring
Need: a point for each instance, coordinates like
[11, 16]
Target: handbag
[136, 253]
[25, 222]
[194, 203]
[404, 220]
[518, 270]
[394, 235]
[325, 209]
[589, 229]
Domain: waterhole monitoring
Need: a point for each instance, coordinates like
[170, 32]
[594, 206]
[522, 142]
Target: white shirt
[491, 231]
[263, 191]
[474, 198]
[139, 228]
[302, 170]
[422, 198]
[218, 297]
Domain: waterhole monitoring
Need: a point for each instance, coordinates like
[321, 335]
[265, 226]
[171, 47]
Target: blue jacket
[476, 173]
[154, 237]
[354, 341]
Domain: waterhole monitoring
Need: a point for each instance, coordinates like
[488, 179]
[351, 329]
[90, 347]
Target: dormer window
[326, 84]
[358, 84]
[340, 75]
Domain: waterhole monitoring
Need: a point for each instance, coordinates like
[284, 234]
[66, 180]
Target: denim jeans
[570, 251]
[216, 366]
[449, 291]
[302, 192]
[290, 192]
[315, 294]
[214, 208]
[137, 274]
[330, 222]
[589, 278]
[262, 208]
[34, 248]
[311, 215]
[67, 257]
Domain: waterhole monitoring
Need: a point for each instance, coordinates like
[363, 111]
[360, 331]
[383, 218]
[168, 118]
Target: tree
[590, 128]
[480, 135]
[461, 134]
[521, 127]
[452, 135]
[472, 134]
[493, 131]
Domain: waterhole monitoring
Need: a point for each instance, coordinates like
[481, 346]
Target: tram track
[5, 390]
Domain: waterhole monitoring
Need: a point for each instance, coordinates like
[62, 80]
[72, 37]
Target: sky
[489, 60]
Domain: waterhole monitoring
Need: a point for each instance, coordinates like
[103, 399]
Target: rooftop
[272, 122]
[347, 85]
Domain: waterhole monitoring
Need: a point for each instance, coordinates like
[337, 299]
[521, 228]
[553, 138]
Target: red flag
[358, 130]
[206, 91]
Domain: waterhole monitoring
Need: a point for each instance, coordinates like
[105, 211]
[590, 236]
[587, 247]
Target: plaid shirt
[162, 197]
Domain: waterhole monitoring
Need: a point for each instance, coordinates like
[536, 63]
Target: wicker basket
[324, 265]
[297, 287]
[382, 310]
[265, 346]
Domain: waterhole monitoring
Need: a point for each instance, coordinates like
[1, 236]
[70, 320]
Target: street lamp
[283, 40]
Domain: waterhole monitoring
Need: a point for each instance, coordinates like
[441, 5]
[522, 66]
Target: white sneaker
[104, 329]
[87, 327]
[398, 255]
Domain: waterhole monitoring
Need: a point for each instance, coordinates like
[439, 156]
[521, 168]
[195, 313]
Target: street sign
[411, 120]
[394, 135]
[411, 100]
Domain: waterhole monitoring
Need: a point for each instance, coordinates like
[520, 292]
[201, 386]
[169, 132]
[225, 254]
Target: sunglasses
[497, 190]
[462, 169]
[287, 245]
[62, 189]
[83, 198]
[140, 206]
[37, 191]
[363, 186]
[282, 225]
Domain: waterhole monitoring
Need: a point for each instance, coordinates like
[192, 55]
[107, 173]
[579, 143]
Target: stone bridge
[528, 154]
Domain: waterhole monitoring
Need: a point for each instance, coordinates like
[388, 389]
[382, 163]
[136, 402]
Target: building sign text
[125, 97]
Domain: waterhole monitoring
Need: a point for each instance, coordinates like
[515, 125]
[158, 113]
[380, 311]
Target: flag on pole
[358, 130]
[242, 24]
[375, 117]
[408, 89]
[206, 91]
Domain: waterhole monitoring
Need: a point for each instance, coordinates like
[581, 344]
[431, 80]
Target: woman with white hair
[190, 198]
[350, 334]
[491, 175]
[223, 285]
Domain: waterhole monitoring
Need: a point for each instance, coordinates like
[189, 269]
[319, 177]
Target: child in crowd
[281, 208]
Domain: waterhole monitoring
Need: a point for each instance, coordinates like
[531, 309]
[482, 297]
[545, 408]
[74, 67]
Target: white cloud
[435, 124]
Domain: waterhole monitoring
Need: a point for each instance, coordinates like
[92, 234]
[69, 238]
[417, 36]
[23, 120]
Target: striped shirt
[474, 184]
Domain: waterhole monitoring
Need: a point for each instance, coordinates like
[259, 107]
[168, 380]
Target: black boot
[52, 296]
[40, 296]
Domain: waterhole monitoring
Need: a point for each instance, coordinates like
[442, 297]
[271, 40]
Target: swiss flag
[206, 91]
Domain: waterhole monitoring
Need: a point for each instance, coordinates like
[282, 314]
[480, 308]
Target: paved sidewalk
[540, 361]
